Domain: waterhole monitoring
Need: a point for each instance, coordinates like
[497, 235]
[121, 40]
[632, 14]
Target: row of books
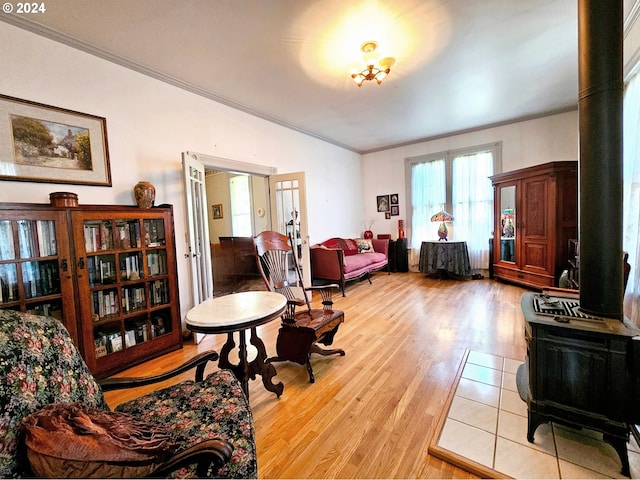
[154, 233]
[131, 267]
[157, 262]
[36, 238]
[46, 309]
[105, 302]
[159, 292]
[101, 269]
[106, 343]
[97, 236]
[132, 299]
[40, 278]
[139, 332]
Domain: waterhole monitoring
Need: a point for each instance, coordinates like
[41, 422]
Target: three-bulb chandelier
[376, 69]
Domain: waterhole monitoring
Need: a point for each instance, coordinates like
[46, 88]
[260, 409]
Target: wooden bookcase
[107, 272]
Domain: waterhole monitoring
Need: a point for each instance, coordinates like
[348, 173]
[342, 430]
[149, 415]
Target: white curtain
[472, 196]
[428, 196]
[631, 199]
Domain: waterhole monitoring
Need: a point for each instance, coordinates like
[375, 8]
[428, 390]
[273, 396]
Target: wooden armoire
[536, 214]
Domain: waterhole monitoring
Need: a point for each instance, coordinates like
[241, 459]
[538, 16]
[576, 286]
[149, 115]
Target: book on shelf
[129, 338]
[100, 347]
[116, 342]
[106, 343]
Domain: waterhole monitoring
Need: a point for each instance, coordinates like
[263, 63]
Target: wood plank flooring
[371, 413]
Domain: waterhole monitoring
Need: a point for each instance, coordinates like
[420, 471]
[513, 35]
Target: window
[458, 181]
[240, 206]
[631, 198]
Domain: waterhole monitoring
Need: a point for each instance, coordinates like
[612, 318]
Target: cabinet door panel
[534, 216]
[127, 286]
[35, 265]
[535, 256]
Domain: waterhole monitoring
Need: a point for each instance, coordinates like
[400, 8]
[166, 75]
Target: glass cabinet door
[35, 269]
[127, 295]
[508, 223]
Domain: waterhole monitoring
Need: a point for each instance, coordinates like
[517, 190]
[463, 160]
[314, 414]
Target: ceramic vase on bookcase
[145, 194]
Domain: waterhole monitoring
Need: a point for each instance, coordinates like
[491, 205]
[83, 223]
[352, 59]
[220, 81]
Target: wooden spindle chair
[302, 327]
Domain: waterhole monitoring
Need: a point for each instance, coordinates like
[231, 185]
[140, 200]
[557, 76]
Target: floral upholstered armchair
[195, 428]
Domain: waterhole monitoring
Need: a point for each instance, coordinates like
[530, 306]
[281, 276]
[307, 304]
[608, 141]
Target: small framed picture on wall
[216, 210]
[395, 210]
[382, 202]
[394, 199]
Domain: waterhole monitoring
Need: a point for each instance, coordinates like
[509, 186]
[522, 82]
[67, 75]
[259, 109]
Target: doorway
[229, 258]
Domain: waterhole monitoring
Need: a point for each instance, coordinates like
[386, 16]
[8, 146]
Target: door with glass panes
[128, 297]
[36, 265]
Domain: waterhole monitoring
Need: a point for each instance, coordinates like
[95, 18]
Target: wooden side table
[239, 312]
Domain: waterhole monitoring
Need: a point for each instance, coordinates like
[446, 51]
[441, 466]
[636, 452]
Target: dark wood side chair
[302, 328]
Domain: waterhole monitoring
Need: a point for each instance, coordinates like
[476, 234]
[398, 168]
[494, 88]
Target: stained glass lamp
[442, 217]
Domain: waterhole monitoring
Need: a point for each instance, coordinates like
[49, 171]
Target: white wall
[524, 144]
[150, 123]
[217, 187]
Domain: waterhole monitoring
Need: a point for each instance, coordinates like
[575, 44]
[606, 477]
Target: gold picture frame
[216, 210]
[41, 143]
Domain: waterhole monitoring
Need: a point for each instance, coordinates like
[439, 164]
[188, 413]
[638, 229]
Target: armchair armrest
[381, 245]
[327, 263]
[207, 454]
[214, 452]
[199, 362]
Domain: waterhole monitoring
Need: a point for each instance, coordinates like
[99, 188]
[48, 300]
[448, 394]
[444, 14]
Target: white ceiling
[460, 64]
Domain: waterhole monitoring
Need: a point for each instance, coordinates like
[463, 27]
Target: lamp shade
[442, 216]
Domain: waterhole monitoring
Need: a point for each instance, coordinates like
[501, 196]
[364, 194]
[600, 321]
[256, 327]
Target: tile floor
[487, 423]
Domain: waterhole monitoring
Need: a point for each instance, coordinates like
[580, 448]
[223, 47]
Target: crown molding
[60, 37]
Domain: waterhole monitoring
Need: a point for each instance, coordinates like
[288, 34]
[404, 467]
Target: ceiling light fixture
[376, 69]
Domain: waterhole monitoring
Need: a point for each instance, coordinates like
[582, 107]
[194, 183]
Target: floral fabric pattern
[39, 365]
[192, 412]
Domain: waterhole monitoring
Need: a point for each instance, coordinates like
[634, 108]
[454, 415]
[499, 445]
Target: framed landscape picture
[41, 143]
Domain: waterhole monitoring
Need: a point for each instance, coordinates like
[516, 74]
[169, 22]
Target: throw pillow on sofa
[348, 246]
[365, 245]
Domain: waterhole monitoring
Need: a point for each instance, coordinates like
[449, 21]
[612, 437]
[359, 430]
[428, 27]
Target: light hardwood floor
[371, 413]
